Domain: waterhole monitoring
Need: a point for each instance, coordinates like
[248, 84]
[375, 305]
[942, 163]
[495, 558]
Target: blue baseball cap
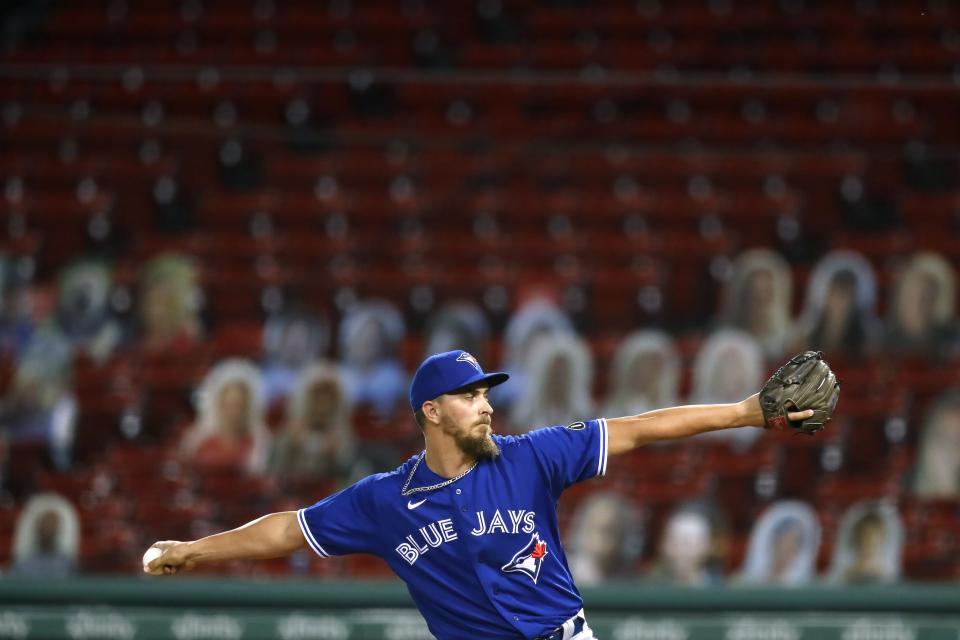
[448, 371]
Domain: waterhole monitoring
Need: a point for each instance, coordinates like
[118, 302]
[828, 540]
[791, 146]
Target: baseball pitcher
[470, 524]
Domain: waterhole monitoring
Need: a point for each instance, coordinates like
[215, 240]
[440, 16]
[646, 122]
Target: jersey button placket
[461, 500]
[463, 508]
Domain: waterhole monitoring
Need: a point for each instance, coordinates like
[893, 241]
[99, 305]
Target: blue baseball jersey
[481, 556]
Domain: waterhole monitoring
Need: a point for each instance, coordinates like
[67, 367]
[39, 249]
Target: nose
[485, 407]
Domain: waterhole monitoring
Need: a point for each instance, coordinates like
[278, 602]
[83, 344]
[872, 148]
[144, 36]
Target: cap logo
[466, 357]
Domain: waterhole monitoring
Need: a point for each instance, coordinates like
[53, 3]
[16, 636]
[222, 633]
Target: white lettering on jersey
[416, 545]
[407, 552]
[528, 524]
[435, 540]
[434, 534]
[481, 527]
[496, 522]
[446, 527]
[516, 515]
[521, 520]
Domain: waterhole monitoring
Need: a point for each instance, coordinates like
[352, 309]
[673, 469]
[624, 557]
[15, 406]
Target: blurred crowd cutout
[317, 439]
[839, 315]
[783, 546]
[605, 539]
[559, 378]
[370, 337]
[938, 464]
[230, 433]
[869, 547]
[169, 306]
[728, 368]
[685, 550]
[291, 342]
[47, 538]
[921, 316]
[757, 300]
[644, 374]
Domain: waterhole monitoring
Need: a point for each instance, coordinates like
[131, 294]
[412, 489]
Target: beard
[478, 446]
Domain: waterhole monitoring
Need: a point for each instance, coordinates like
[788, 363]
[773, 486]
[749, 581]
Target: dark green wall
[186, 609]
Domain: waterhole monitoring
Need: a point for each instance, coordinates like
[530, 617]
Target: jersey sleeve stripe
[606, 445]
[600, 452]
[308, 535]
[602, 462]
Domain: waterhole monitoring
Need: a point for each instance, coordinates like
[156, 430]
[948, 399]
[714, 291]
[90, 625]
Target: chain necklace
[407, 492]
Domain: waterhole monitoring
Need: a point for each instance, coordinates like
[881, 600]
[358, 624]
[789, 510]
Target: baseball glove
[805, 382]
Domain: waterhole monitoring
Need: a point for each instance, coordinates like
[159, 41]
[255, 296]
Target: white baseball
[152, 554]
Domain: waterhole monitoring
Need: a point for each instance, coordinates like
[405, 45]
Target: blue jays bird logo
[529, 559]
[466, 357]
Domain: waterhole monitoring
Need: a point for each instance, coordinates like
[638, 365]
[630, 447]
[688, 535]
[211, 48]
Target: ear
[431, 410]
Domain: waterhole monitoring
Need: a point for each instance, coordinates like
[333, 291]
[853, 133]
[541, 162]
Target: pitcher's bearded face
[467, 418]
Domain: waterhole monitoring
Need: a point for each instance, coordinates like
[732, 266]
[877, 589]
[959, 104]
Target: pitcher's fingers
[799, 416]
